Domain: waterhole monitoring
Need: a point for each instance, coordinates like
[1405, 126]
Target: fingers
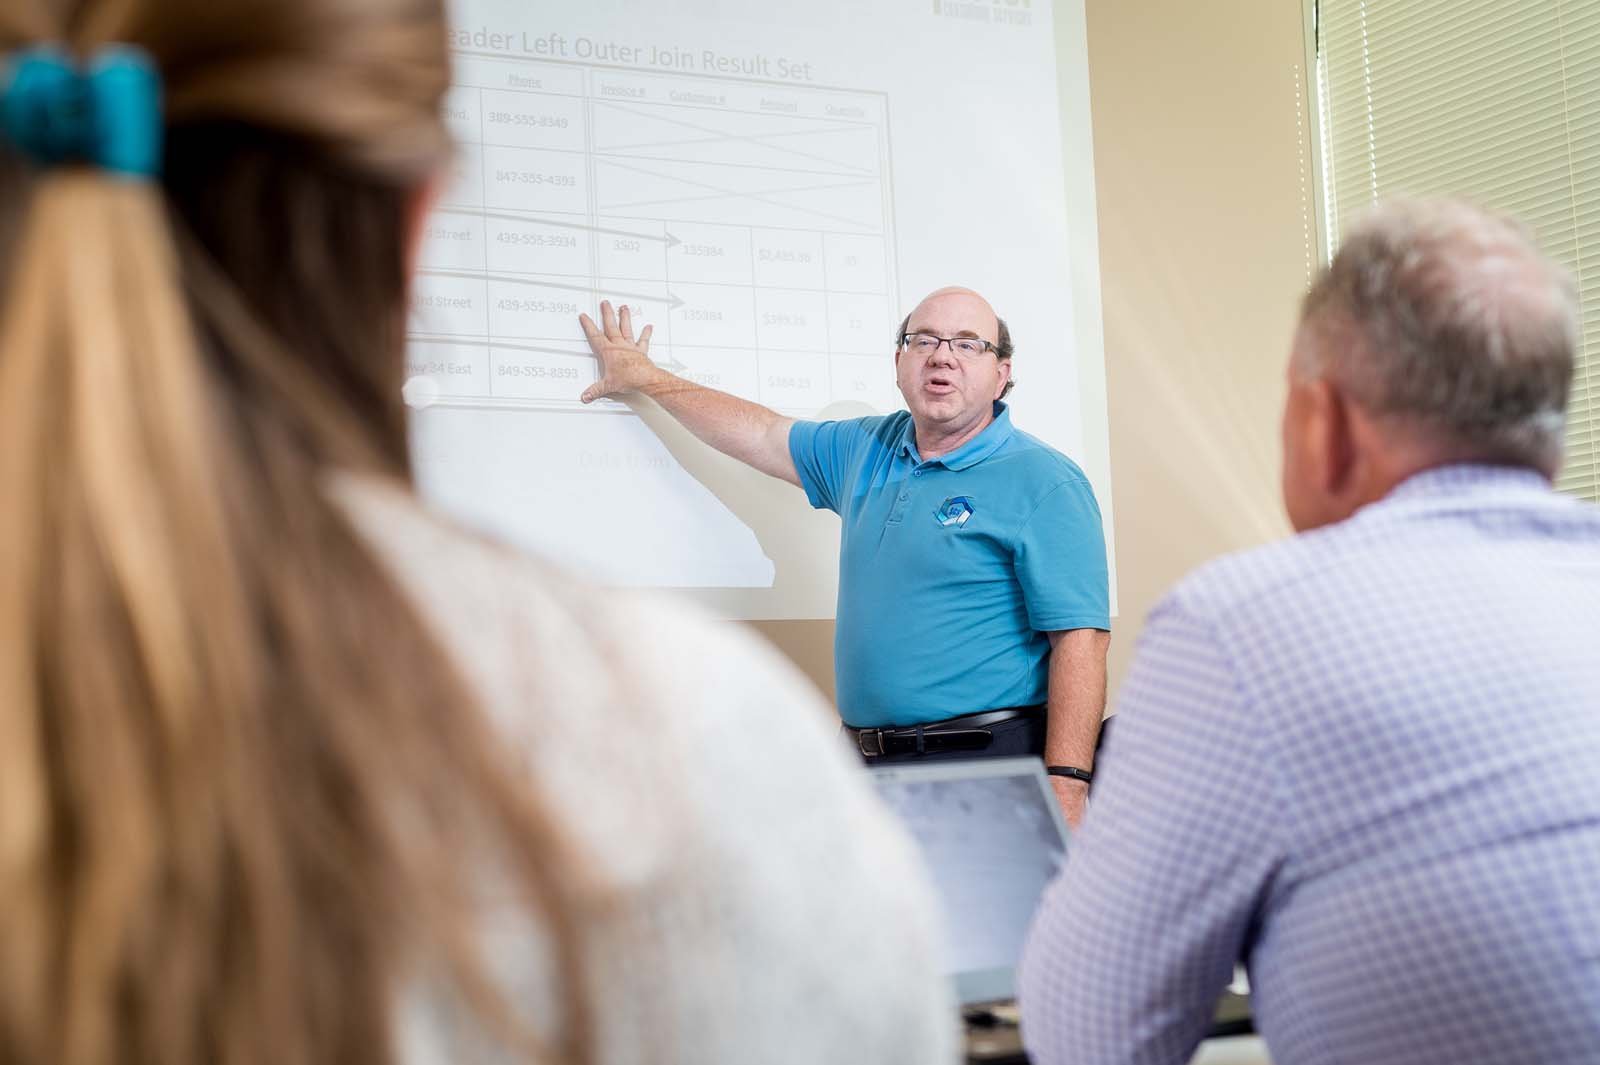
[616, 323]
[613, 344]
[597, 343]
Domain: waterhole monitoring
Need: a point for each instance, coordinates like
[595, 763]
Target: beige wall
[1202, 169]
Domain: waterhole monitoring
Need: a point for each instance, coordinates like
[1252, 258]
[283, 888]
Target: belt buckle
[877, 739]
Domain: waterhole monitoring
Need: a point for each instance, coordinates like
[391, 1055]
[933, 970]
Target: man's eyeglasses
[925, 344]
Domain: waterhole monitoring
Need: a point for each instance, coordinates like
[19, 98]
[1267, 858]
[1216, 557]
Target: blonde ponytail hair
[240, 785]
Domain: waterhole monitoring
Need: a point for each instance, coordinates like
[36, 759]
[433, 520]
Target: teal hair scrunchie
[108, 114]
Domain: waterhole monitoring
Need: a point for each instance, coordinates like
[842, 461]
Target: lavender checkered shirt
[1365, 761]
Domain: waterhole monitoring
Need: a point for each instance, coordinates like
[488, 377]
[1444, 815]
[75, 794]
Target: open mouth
[939, 385]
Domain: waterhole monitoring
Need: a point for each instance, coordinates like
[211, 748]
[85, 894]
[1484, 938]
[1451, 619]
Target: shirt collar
[974, 451]
[1463, 478]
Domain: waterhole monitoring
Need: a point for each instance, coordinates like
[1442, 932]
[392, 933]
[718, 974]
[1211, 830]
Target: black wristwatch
[1071, 771]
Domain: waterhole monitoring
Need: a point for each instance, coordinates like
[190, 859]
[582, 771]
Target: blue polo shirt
[951, 571]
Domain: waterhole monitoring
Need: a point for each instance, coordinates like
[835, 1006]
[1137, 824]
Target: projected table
[750, 222]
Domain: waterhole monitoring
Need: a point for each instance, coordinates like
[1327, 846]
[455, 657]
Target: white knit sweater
[771, 912]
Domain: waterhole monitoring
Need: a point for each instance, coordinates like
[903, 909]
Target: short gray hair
[1448, 320]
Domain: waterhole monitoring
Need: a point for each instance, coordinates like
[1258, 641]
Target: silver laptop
[993, 837]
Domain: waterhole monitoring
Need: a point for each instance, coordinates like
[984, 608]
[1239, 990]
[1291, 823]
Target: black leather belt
[969, 732]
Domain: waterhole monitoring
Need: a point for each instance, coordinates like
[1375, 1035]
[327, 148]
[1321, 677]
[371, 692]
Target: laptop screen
[993, 837]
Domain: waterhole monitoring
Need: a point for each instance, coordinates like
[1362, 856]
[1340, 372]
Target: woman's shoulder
[618, 697]
[756, 884]
[505, 614]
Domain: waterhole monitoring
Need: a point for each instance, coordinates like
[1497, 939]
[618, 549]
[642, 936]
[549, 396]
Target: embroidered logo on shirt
[954, 512]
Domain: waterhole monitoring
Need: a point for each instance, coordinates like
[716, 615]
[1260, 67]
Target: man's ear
[1330, 439]
[1344, 454]
[1005, 377]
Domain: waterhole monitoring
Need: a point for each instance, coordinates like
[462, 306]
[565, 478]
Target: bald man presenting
[973, 614]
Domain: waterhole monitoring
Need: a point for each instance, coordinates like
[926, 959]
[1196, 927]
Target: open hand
[625, 364]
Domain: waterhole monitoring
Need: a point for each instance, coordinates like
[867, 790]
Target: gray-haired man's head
[1448, 326]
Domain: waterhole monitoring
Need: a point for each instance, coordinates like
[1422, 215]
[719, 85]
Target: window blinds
[1495, 101]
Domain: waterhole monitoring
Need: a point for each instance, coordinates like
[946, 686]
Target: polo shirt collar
[974, 451]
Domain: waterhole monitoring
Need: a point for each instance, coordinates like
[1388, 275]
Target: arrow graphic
[669, 240]
[452, 342]
[671, 301]
[668, 363]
